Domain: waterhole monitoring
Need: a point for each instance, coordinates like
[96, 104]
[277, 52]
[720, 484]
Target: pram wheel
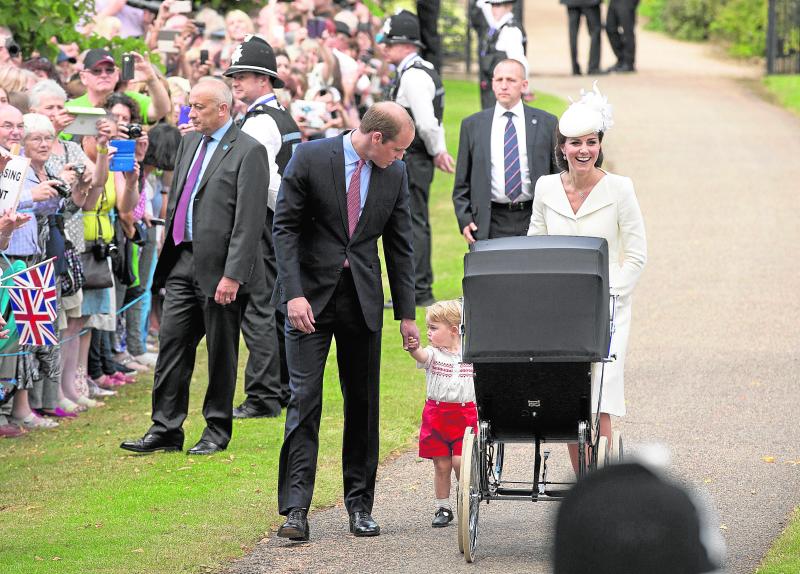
[602, 452]
[616, 446]
[469, 495]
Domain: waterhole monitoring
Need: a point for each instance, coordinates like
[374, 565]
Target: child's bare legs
[443, 466]
[605, 430]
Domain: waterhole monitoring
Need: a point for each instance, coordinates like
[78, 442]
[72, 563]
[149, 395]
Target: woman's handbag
[96, 268]
[72, 279]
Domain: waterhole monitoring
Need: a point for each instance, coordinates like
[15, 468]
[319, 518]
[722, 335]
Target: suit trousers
[358, 354]
[592, 16]
[262, 382]
[620, 29]
[419, 166]
[428, 14]
[506, 223]
[189, 315]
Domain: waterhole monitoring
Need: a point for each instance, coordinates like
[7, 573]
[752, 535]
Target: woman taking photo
[48, 98]
[586, 200]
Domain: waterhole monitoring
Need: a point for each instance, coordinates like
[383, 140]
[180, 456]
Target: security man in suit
[621, 32]
[503, 150]
[590, 9]
[338, 196]
[504, 38]
[254, 74]
[419, 89]
[216, 216]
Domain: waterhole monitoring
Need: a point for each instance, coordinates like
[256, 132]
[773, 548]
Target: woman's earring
[564, 156]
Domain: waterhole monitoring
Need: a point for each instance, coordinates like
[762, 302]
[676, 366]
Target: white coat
[610, 211]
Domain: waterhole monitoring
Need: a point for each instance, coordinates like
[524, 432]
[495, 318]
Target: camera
[62, 187]
[134, 131]
[101, 250]
[12, 47]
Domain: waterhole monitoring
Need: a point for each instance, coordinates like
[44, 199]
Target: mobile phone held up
[203, 57]
[127, 68]
[123, 159]
[183, 117]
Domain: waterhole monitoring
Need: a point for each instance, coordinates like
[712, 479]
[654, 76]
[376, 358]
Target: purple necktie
[511, 162]
[179, 219]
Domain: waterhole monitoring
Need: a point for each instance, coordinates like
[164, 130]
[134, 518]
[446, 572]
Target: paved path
[713, 360]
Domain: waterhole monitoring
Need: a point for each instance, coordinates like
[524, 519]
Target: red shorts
[443, 424]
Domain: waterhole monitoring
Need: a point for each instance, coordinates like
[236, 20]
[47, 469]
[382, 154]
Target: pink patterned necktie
[179, 219]
[354, 198]
[353, 202]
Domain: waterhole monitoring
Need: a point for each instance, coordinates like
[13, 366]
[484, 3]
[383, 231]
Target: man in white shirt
[254, 74]
[418, 88]
[503, 150]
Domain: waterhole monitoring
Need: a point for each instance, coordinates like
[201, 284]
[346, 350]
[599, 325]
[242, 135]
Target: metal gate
[783, 37]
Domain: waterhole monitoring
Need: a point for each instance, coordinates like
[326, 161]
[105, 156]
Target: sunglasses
[102, 71]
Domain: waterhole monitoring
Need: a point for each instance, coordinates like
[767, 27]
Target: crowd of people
[106, 227]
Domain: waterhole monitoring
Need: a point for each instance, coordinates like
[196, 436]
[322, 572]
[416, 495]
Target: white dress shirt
[499, 122]
[416, 92]
[264, 129]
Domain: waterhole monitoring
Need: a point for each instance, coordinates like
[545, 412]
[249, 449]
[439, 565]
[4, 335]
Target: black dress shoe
[245, 411]
[625, 68]
[443, 517]
[150, 443]
[205, 447]
[296, 526]
[362, 524]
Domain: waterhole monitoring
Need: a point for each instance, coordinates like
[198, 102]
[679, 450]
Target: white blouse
[449, 379]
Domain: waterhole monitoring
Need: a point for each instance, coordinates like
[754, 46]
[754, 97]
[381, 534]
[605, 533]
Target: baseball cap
[97, 56]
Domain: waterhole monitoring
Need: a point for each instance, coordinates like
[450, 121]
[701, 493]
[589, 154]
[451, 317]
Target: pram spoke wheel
[469, 495]
[616, 446]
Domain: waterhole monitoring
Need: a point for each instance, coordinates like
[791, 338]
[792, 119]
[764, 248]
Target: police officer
[418, 88]
[254, 75]
[504, 38]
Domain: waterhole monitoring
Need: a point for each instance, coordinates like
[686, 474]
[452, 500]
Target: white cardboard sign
[11, 182]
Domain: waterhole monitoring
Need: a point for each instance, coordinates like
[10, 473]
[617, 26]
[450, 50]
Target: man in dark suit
[215, 221]
[590, 9]
[338, 196]
[502, 151]
[621, 32]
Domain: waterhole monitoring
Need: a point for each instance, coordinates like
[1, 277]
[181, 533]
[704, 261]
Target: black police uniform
[266, 375]
[404, 28]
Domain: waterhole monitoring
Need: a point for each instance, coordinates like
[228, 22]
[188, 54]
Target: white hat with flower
[592, 113]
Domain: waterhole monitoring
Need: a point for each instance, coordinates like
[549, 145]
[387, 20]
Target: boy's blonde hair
[447, 312]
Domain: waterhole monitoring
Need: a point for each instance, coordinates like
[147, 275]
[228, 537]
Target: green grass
[784, 556]
[786, 89]
[74, 503]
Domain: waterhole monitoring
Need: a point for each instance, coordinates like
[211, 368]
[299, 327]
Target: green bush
[739, 24]
[689, 19]
[743, 25]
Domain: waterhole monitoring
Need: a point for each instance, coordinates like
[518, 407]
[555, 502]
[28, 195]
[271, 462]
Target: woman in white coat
[585, 200]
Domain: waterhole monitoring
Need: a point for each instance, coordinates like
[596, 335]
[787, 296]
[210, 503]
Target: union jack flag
[33, 301]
